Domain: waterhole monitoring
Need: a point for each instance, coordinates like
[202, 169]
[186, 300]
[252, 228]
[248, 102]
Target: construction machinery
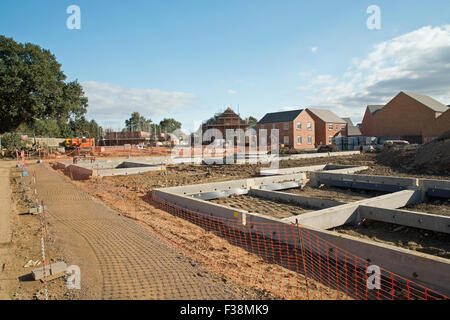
[82, 145]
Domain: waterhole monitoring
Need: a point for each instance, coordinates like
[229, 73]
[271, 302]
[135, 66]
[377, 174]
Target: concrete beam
[422, 268]
[235, 184]
[205, 208]
[294, 198]
[319, 155]
[347, 213]
[436, 188]
[348, 170]
[55, 269]
[126, 171]
[430, 271]
[379, 183]
[273, 172]
[406, 218]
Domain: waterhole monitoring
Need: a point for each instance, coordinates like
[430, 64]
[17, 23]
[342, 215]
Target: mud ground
[332, 193]
[212, 251]
[276, 209]
[433, 206]
[127, 194]
[424, 241]
[26, 245]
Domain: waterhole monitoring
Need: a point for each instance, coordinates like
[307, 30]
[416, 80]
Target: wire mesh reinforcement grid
[291, 262]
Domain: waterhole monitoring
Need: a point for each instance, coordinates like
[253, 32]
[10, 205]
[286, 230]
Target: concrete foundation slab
[406, 218]
[366, 182]
[348, 213]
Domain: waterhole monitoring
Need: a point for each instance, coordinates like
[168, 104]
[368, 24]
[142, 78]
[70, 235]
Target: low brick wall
[78, 173]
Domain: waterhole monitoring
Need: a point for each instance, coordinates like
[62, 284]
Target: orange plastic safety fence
[291, 262]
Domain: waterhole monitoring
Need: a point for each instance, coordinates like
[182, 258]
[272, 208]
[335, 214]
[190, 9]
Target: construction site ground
[119, 258]
[124, 239]
[276, 209]
[410, 238]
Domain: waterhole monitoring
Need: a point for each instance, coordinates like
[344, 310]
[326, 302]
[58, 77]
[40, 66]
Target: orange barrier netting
[291, 262]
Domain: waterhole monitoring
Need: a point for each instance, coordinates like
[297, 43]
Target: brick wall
[292, 133]
[402, 116]
[304, 118]
[367, 124]
[437, 127]
[322, 131]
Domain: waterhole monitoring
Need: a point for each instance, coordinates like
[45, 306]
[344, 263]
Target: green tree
[84, 128]
[32, 87]
[137, 123]
[12, 141]
[169, 125]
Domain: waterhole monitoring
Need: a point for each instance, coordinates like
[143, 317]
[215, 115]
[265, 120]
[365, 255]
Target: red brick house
[367, 123]
[327, 124]
[295, 128]
[437, 128]
[406, 116]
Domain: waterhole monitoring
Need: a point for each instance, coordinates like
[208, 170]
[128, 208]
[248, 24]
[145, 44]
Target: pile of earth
[430, 158]
[434, 156]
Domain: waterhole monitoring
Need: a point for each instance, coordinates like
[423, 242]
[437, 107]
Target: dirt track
[118, 257]
[5, 224]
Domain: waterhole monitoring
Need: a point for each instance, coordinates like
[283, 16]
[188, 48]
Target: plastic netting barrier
[290, 262]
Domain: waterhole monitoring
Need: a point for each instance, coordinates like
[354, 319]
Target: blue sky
[187, 59]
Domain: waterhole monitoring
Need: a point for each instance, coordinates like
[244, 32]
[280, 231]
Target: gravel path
[119, 258]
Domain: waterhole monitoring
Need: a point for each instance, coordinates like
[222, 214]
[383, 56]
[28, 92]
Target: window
[263, 127]
[309, 140]
[330, 139]
[285, 126]
[330, 127]
[274, 126]
[299, 140]
[337, 127]
[286, 140]
[343, 126]
[309, 126]
[299, 126]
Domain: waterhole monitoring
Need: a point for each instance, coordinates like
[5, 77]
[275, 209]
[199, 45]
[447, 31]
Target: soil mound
[430, 158]
[434, 156]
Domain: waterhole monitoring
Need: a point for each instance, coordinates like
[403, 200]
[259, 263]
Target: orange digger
[81, 144]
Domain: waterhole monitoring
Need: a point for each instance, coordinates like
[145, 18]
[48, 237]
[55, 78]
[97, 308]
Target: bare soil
[434, 243]
[276, 209]
[26, 245]
[337, 194]
[125, 195]
[438, 207]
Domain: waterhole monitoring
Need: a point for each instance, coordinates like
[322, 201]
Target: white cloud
[418, 61]
[111, 103]
[232, 92]
[289, 108]
[314, 49]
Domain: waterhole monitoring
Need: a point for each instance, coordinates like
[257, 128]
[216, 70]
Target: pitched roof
[375, 108]
[353, 131]
[326, 115]
[284, 116]
[349, 121]
[428, 101]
